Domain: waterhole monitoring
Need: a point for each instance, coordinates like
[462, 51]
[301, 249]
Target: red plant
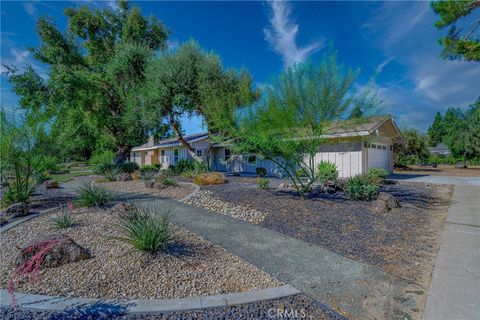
[31, 267]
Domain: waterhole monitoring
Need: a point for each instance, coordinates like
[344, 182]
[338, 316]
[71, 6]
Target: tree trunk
[183, 142]
[121, 154]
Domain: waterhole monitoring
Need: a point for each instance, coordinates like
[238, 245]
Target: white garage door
[378, 156]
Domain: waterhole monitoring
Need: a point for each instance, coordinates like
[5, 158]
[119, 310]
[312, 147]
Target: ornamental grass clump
[65, 219]
[209, 178]
[93, 195]
[146, 228]
[263, 183]
[361, 188]
[377, 175]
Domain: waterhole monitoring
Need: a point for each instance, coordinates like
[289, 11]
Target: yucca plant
[93, 195]
[65, 219]
[146, 228]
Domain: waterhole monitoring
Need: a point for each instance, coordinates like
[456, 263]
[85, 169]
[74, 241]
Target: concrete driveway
[471, 181]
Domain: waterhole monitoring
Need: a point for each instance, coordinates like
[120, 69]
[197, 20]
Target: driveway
[471, 181]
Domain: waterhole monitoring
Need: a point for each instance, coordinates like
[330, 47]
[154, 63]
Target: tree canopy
[94, 69]
[463, 39]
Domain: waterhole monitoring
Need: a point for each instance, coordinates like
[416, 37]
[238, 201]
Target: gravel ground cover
[191, 266]
[207, 199]
[404, 241]
[138, 186]
[285, 308]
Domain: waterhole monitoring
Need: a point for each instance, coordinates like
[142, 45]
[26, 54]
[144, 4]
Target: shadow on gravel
[97, 309]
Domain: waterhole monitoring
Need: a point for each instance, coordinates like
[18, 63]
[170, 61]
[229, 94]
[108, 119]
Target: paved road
[455, 288]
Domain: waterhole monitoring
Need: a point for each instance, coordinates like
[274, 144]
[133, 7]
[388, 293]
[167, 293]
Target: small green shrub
[93, 195]
[148, 168]
[46, 163]
[147, 229]
[112, 173]
[102, 158]
[128, 167]
[148, 175]
[65, 219]
[361, 188]
[327, 172]
[102, 168]
[169, 182]
[263, 183]
[377, 175]
[262, 172]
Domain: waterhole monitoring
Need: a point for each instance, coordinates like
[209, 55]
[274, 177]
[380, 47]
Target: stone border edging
[186, 198]
[155, 306]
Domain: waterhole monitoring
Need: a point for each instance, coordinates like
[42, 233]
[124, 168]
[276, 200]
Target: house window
[252, 159]
[379, 147]
[198, 152]
[227, 154]
[384, 147]
[175, 156]
[162, 156]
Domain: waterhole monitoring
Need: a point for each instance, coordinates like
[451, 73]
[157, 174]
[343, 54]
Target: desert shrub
[183, 165]
[148, 175]
[263, 183]
[327, 172]
[92, 195]
[136, 175]
[377, 175]
[169, 182]
[262, 172]
[46, 163]
[128, 167]
[65, 219]
[147, 229]
[102, 157]
[102, 168]
[361, 188]
[209, 178]
[112, 173]
[148, 168]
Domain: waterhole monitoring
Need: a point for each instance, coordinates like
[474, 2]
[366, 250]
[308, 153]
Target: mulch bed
[404, 241]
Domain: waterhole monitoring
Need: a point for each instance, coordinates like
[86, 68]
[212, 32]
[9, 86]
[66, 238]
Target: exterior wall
[240, 163]
[347, 156]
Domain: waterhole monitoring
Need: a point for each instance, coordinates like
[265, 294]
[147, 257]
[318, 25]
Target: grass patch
[146, 228]
[65, 219]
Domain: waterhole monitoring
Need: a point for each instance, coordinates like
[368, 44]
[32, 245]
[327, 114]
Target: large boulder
[54, 251]
[50, 184]
[384, 203]
[124, 177]
[18, 209]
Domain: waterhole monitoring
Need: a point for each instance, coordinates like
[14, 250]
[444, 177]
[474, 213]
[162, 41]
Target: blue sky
[395, 39]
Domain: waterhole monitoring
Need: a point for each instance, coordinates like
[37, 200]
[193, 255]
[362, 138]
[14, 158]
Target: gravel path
[301, 305]
[138, 186]
[190, 267]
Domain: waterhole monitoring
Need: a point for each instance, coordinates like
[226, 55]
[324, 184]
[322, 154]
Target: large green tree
[95, 69]
[463, 39]
[188, 82]
[436, 131]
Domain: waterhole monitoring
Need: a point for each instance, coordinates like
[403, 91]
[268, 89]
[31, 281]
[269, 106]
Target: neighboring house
[440, 150]
[353, 147]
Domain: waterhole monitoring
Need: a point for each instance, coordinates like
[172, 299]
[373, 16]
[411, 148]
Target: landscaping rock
[62, 250]
[123, 207]
[149, 184]
[384, 203]
[124, 177]
[50, 184]
[18, 209]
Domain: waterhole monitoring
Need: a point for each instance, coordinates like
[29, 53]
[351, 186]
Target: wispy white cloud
[30, 8]
[172, 43]
[282, 32]
[427, 83]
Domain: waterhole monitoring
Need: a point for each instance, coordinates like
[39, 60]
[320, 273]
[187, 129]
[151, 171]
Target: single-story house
[353, 147]
[440, 149]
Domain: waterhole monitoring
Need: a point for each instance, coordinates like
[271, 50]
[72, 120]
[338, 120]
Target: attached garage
[378, 156]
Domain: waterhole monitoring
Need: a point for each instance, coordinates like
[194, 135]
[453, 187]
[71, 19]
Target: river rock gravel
[206, 199]
[190, 265]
